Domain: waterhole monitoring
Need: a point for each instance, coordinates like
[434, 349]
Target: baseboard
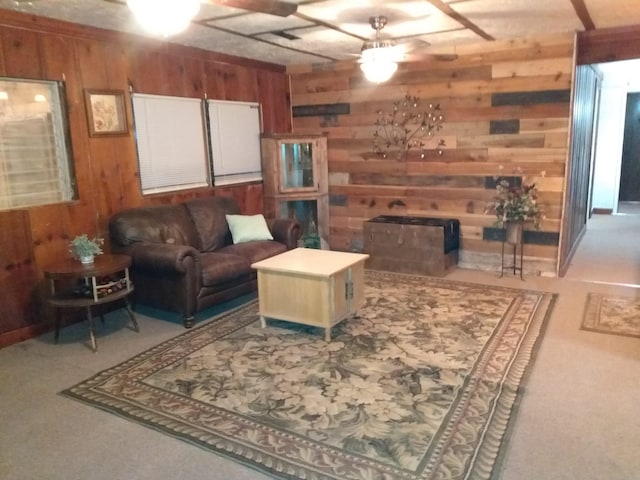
[602, 211]
[24, 333]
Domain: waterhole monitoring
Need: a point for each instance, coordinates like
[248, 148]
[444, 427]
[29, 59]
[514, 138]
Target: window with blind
[189, 142]
[235, 141]
[36, 164]
[170, 137]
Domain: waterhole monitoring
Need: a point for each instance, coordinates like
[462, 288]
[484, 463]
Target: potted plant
[514, 205]
[84, 248]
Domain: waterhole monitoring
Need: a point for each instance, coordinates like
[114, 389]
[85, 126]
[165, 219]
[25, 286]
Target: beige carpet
[613, 314]
[422, 384]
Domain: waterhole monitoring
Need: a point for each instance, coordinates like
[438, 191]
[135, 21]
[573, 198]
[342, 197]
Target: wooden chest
[419, 245]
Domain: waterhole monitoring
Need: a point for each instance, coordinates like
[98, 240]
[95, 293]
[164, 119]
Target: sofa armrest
[162, 257]
[285, 230]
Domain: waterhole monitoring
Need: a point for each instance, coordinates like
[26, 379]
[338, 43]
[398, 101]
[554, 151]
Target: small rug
[422, 384]
[616, 315]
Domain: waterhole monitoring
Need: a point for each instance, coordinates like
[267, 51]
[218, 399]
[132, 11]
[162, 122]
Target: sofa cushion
[245, 228]
[256, 250]
[218, 268]
[170, 224]
[208, 216]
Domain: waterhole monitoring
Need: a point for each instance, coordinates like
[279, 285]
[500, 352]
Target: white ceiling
[330, 30]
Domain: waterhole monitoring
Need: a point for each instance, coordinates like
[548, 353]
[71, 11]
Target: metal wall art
[409, 126]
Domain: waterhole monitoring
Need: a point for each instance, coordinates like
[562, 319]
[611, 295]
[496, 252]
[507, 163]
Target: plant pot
[513, 232]
[86, 259]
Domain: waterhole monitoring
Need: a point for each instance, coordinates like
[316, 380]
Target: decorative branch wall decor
[408, 126]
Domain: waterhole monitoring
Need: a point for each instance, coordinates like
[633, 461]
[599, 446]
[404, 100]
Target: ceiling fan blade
[272, 7]
[414, 50]
[419, 57]
[405, 49]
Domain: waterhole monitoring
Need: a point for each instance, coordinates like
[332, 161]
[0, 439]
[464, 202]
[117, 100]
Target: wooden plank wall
[106, 168]
[506, 104]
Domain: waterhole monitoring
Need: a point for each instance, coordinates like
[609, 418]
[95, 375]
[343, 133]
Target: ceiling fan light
[164, 17]
[378, 71]
[379, 54]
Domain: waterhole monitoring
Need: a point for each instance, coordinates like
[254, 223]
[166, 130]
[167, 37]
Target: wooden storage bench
[420, 245]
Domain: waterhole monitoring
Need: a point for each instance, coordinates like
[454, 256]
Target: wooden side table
[91, 291]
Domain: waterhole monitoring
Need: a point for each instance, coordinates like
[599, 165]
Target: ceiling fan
[379, 58]
[168, 17]
[399, 51]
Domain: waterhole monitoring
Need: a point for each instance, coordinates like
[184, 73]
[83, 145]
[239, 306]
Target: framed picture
[105, 112]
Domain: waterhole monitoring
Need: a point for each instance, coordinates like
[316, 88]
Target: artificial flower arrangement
[516, 203]
[83, 247]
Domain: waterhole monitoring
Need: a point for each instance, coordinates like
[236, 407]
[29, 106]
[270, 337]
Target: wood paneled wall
[507, 110]
[106, 168]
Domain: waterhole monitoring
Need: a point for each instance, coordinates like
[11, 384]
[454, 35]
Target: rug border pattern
[593, 310]
[485, 454]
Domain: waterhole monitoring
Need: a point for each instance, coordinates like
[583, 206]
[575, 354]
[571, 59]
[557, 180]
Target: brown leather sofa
[183, 256]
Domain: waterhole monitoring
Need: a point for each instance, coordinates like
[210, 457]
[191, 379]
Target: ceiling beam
[330, 26]
[256, 38]
[271, 7]
[447, 10]
[582, 12]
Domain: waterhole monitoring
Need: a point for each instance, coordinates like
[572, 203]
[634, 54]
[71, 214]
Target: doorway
[629, 194]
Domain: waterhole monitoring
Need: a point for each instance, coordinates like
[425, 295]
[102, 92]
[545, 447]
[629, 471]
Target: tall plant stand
[513, 235]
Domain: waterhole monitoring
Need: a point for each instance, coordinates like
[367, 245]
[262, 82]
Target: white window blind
[36, 167]
[170, 137]
[235, 141]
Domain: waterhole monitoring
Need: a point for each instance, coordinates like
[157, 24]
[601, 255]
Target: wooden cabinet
[419, 245]
[311, 287]
[295, 183]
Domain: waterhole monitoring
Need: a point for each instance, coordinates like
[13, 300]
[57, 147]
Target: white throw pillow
[245, 228]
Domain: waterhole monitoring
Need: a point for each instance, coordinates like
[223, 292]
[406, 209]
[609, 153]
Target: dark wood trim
[530, 237]
[602, 211]
[498, 127]
[321, 110]
[608, 45]
[24, 333]
[583, 14]
[491, 183]
[530, 98]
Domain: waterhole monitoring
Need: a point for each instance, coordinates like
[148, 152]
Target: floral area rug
[617, 315]
[420, 385]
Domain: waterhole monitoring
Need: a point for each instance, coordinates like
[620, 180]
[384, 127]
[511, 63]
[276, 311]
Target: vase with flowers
[84, 248]
[515, 205]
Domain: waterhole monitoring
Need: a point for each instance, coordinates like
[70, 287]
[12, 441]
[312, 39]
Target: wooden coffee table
[312, 287]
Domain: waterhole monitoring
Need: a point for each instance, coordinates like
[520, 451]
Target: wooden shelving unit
[295, 176]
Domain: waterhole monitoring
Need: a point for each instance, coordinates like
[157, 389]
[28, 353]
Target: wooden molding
[608, 45]
[24, 333]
